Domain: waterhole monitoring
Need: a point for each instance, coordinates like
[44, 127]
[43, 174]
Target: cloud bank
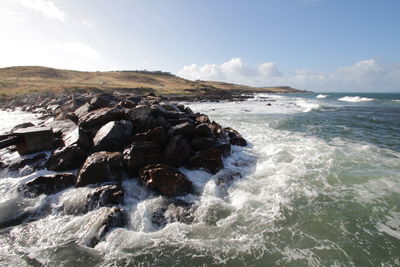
[46, 7]
[366, 75]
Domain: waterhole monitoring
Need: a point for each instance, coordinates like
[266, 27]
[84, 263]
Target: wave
[355, 99]
[321, 96]
[308, 106]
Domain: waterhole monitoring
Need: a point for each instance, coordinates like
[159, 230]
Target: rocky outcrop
[177, 151]
[66, 158]
[164, 179]
[48, 184]
[113, 136]
[209, 159]
[140, 154]
[100, 167]
[96, 119]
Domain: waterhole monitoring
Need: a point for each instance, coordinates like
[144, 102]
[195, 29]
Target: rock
[72, 117]
[126, 104]
[146, 124]
[156, 134]
[202, 130]
[217, 130]
[169, 114]
[103, 101]
[100, 167]
[113, 136]
[61, 128]
[177, 151]
[83, 110]
[140, 112]
[180, 121]
[175, 210]
[189, 112]
[209, 159]
[22, 125]
[34, 139]
[108, 219]
[79, 137]
[164, 179]
[238, 140]
[184, 129]
[140, 154]
[202, 143]
[96, 119]
[225, 149]
[34, 163]
[202, 119]
[107, 195]
[231, 132]
[66, 158]
[48, 184]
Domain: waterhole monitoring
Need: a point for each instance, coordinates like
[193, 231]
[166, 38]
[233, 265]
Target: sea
[317, 185]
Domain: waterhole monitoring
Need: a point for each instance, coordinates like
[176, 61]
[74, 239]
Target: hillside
[23, 80]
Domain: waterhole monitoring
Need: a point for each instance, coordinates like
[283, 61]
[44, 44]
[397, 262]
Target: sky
[318, 45]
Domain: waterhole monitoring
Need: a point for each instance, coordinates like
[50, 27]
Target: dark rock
[108, 219]
[35, 163]
[72, 117]
[146, 124]
[107, 195]
[202, 143]
[48, 184]
[156, 134]
[83, 110]
[202, 119]
[164, 179]
[140, 154]
[209, 159]
[180, 121]
[231, 132]
[100, 167]
[103, 101]
[177, 151]
[169, 114]
[79, 137]
[113, 136]
[66, 158]
[202, 130]
[96, 119]
[225, 149]
[140, 112]
[184, 129]
[126, 104]
[217, 130]
[238, 140]
[61, 128]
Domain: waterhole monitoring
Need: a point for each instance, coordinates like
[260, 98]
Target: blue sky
[320, 45]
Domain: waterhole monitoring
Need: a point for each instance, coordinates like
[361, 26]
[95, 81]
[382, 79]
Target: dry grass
[16, 81]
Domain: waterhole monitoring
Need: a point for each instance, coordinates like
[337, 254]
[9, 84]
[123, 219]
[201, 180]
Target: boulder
[156, 134]
[103, 101]
[209, 159]
[48, 184]
[217, 130]
[140, 112]
[21, 126]
[113, 136]
[225, 148]
[96, 119]
[202, 119]
[177, 151]
[202, 143]
[78, 137]
[184, 129]
[100, 167]
[180, 121]
[83, 110]
[238, 140]
[202, 130]
[231, 132]
[107, 195]
[66, 158]
[140, 154]
[164, 179]
[34, 163]
[108, 219]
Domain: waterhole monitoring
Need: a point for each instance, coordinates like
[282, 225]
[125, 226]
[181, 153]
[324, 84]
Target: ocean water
[318, 185]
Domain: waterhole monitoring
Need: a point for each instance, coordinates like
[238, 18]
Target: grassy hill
[24, 80]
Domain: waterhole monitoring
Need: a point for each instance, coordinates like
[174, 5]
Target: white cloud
[80, 49]
[89, 23]
[46, 7]
[366, 75]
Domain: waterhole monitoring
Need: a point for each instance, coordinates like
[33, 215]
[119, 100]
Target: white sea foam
[307, 105]
[355, 99]
[321, 96]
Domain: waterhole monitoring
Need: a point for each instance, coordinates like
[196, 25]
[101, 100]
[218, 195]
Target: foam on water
[295, 199]
[355, 99]
[321, 96]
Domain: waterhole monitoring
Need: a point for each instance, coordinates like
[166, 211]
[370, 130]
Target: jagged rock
[72, 117]
[96, 119]
[202, 130]
[164, 179]
[184, 129]
[107, 195]
[189, 112]
[202, 143]
[140, 112]
[180, 121]
[35, 163]
[202, 119]
[66, 158]
[169, 114]
[48, 184]
[126, 104]
[103, 101]
[238, 140]
[140, 154]
[177, 151]
[100, 167]
[231, 132]
[108, 219]
[174, 211]
[21, 126]
[225, 149]
[61, 128]
[83, 110]
[113, 136]
[78, 137]
[156, 134]
[209, 159]
[146, 124]
[217, 130]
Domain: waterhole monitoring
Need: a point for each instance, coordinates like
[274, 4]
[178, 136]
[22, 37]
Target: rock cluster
[109, 137]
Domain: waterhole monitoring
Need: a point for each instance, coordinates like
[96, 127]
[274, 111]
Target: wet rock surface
[66, 158]
[48, 184]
